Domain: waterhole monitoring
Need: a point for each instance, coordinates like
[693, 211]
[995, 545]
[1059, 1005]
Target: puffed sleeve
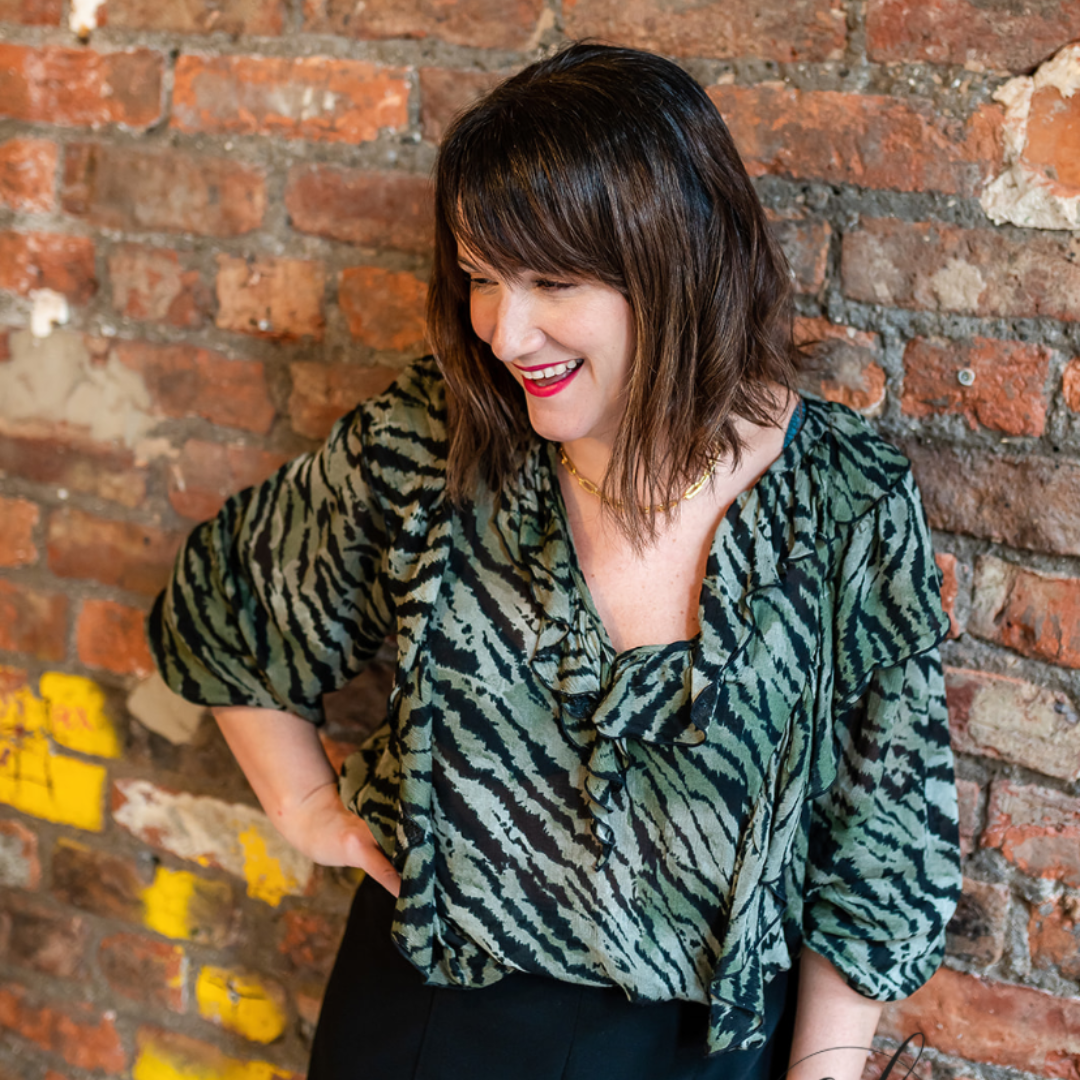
[883, 867]
[281, 597]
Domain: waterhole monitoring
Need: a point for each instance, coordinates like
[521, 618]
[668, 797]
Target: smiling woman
[664, 788]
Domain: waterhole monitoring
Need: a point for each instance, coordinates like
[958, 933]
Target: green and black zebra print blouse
[671, 820]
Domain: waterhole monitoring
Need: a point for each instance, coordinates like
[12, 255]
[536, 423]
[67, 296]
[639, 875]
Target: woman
[667, 740]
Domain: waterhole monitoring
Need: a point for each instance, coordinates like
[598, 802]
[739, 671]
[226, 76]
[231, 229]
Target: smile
[543, 382]
[536, 374]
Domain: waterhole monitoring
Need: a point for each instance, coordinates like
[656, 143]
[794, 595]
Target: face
[568, 342]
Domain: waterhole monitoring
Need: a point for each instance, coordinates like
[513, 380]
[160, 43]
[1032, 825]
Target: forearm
[830, 1015]
[280, 754]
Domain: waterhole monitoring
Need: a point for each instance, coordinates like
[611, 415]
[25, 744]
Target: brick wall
[214, 238]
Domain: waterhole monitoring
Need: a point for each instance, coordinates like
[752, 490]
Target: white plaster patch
[167, 714]
[1019, 195]
[49, 309]
[957, 286]
[84, 17]
[207, 831]
[52, 378]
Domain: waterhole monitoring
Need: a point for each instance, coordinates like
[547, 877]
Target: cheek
[481, 316]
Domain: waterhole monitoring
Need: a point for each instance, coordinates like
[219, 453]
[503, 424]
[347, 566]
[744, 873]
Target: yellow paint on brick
[241, 1003]
[37, 781]
[158, 1060]
[77, 717]
[266, 880]
[172, 902]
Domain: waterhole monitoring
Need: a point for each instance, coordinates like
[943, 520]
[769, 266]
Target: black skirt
[379, 1022]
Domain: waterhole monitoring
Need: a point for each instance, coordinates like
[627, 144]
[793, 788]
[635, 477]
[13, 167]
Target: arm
[829, 1015]
[283, 759]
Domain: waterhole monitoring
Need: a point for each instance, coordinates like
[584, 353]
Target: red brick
[129, 189]
[234, 17]
[991, 1022]
[20, 867]
[1070, 384]
[1035, 614]
[375, 209]
[1009, 37]
[309, 940]
[490, 24]
[1000, 717]
[27, 174]
[49, 454]
[111, 636]
[144, 970]
[272, 298]
[1054, 937]
[844, 365]
[43, 939]
[18, 517]
[113, 886]
[784, 30]
[384, 309]
[1030, 502]
[445, 92]
[208, 473]
[1008, 394]
[33, 622]
[79, 87]
[322, 393]
[97, 881]
[967, 799]
[1035, 828]
[80, 1036]
[951, 569]
[31, 12]
[977, 930]
[866, 140]
[805, 243]
[1053, 138]
[187, 381]
[64, 264]
[941, 267]
[314, 97]
[152, 283]
[129, 556]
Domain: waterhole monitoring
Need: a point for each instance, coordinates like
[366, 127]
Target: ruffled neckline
[664, 693]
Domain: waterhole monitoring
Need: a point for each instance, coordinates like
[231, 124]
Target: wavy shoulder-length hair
[611, 164]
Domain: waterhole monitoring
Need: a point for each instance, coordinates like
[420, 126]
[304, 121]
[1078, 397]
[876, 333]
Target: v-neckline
[789, 453]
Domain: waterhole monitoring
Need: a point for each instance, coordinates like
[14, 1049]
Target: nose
[505, 317]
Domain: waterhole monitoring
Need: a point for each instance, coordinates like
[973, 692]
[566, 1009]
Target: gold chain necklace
[661, 508]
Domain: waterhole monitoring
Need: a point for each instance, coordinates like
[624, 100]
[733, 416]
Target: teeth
[551, 372]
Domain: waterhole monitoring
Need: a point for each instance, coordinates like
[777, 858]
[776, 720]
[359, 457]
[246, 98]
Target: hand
[321, 828]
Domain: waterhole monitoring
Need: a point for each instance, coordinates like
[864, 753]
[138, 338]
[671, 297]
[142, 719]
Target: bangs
[501, 202]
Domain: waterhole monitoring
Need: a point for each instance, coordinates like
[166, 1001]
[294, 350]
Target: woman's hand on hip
[321, 828]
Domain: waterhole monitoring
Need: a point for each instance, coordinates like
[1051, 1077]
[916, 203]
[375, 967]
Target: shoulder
[411, 410]
[398, 436]
[847, 468]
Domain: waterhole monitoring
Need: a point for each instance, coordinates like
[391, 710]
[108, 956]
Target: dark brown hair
[612, 164]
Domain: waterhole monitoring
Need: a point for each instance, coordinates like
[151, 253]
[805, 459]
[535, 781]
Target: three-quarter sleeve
[281, 597]
[883, 866]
